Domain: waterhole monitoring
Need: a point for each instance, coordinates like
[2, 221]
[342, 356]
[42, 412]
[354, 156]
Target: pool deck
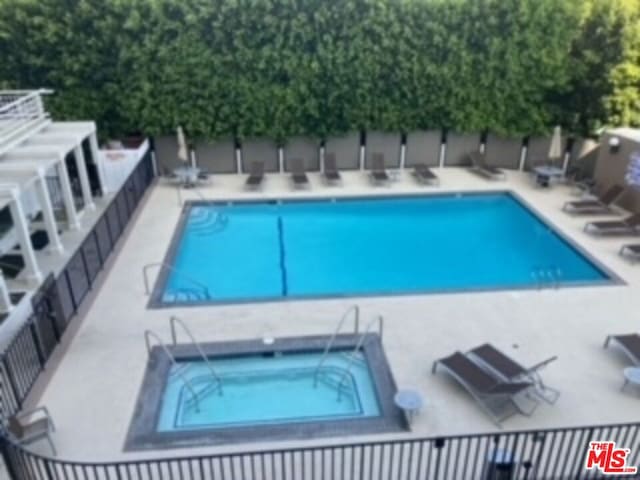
[93, 381]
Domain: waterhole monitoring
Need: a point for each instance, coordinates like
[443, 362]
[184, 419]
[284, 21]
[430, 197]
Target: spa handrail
[379, 319]
[356, 310]
[173, 320]
[145, 274]
[185, 380]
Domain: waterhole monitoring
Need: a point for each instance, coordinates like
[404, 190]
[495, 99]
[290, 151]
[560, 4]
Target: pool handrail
[185, 380]
[145, 274]
[353, 308]
[379, 319]
[172, 321]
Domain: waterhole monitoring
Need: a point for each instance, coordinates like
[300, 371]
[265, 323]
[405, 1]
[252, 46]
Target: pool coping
[156, 302]
[142, 434]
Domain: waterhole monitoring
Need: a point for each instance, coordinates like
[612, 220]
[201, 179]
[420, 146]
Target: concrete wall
[611, 168]
[423, 148]
[260, 150]
[388, 144]
[537, 151]
[458, 145]
[216, 157]
[346, 150]
[307, 149]
[503, 152]
[166, 149]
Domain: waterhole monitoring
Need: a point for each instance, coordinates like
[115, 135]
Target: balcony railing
[22, 113]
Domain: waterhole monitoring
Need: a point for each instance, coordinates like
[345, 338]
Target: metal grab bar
[173, 320]
[145, 271]
[356, 349]
[325, 353]
[185, 380]
[194, 188]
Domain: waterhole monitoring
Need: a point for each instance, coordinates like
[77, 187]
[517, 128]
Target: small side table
[631, 376]
[409, 401]
[545, 174]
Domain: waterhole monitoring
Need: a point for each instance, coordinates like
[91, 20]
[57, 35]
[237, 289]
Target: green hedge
[279, 68]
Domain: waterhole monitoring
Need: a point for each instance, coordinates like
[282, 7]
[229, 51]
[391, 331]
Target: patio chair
[626, 226]
[509, 370]
[630, 345]
[378, 173]
[298, 175]
[256, 175]
[602, 204]
[330, 173]
[424, 175]
[630, 252]
[479, 166]
[26, 432]
[497, 398]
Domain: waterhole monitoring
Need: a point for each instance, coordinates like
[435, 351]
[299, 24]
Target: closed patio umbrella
[183, 151]
[555, 149]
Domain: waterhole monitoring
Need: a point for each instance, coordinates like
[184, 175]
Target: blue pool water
[258, 390]
[258, 251]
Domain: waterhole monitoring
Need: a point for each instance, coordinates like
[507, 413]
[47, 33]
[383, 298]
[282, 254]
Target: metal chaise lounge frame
[256, 175]
[479, 166]
[630, 344]
[630, 251]
[298, 174]
[330, 172]
[378, 173]
[602, 204]
[626, 226]
[511, 371]
[423, 174]
[491, 393]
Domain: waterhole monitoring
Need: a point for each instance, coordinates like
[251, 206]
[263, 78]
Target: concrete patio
[92, 382]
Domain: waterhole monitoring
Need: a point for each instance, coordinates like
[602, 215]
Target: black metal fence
[59, 298]
[542, 454]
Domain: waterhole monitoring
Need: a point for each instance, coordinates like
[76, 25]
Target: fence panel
[91, 257]
[23, 361]
[77, 276]
[103, 237]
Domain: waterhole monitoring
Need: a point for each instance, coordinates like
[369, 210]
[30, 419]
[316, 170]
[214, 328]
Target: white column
[26, 249]
[55, 245]
[78, 154]
[97, 159]
[5, 300]
[67, 196]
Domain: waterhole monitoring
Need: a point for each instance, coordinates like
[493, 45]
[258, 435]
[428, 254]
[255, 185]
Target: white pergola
[30, 146]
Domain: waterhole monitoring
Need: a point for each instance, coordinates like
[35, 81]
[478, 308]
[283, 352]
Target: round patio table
[188, 175]
[410, 401]
[631, 376]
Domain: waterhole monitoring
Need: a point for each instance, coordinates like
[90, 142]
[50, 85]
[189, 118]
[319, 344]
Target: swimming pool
[251, 391]
[252, 251]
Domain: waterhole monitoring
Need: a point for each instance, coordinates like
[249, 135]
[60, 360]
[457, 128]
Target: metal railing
[148, 334]
[379, 320]
[147, 287]
[546, 454]
[355, 309]
[21, 114]
[25, 356]
[173, 320]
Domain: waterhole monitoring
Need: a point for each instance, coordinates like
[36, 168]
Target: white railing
[22, 113]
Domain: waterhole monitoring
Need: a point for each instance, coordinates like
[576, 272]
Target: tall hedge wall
[286, 67]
